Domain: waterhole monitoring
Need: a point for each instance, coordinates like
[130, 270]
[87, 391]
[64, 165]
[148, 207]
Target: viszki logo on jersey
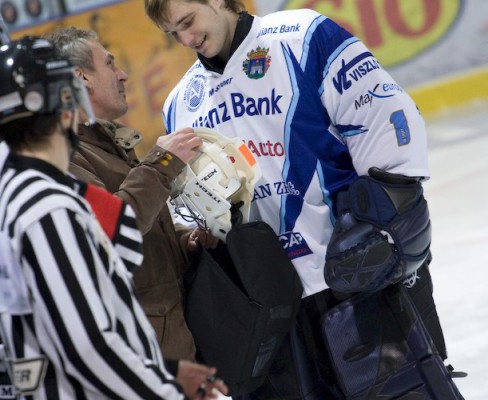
[257, 63]
[354, 70]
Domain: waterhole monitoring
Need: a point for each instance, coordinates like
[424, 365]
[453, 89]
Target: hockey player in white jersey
[343, 150]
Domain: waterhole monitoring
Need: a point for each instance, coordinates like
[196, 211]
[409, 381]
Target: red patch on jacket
[106, 207]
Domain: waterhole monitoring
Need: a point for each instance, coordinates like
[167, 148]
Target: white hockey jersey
[317, 109]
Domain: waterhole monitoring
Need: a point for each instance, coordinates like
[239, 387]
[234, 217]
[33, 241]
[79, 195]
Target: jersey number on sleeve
[400, 123]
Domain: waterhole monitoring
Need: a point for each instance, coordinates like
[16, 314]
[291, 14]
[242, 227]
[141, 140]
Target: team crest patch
[195, 92]
[257, 63]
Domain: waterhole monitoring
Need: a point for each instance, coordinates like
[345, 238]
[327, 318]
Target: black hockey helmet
[36, 79]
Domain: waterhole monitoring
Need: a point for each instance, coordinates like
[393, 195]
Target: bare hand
[199, 382]
[183, 144]
[203, 236]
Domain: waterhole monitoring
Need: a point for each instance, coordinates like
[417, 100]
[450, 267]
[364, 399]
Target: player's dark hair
[29, 132]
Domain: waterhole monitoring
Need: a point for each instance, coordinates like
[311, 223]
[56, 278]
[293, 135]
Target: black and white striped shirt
[66, 294]
[117, 220]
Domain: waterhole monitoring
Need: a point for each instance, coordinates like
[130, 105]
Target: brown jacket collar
[110, 136]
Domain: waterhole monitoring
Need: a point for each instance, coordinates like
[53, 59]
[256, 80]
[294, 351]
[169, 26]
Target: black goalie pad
[242, 299]
[380, 349]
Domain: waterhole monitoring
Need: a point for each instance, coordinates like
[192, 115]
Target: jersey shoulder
[196, 69]
[284, 17]
[287, 25]
[45, 197]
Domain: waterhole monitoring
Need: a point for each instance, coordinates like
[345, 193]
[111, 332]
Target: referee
[70, 324]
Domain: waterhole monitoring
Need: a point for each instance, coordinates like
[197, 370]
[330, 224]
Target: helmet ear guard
[217, 183]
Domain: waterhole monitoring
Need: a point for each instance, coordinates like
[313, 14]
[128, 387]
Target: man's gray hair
[72, 43]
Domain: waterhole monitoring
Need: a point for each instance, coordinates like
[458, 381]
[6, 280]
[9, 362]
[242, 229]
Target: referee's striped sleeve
[128, 241]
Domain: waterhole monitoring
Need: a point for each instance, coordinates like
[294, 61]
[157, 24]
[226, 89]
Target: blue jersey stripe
[170, 119]
[308, 37]
[304, 136]
[287, 130]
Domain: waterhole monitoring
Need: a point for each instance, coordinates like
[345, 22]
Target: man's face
[106, 84]
[202, 27]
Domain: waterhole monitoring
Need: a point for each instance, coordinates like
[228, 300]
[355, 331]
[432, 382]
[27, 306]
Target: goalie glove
[382, 233]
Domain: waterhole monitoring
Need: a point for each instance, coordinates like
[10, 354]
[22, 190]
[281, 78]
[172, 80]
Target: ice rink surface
[458, 200]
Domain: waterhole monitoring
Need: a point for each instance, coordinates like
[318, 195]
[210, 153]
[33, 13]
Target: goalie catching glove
[382, 233]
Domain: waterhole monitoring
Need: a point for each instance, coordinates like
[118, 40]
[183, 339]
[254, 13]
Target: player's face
[106, 84]
[205, 28]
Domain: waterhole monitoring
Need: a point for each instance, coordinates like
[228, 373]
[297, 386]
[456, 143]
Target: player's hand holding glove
[382, 233]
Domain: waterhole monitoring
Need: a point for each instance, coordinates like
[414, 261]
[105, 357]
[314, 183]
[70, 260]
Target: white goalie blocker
[222, 176]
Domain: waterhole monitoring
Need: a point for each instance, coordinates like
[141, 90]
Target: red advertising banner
[395, 30]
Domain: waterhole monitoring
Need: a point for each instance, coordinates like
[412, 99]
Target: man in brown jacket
[106, 157]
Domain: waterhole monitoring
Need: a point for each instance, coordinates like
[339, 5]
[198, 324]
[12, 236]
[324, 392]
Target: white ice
[458, 200]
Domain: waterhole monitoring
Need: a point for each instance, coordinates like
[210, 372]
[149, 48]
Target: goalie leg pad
[380, 348]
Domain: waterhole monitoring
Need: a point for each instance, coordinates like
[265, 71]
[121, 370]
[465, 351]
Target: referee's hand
[202, 236]
[199, 381]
